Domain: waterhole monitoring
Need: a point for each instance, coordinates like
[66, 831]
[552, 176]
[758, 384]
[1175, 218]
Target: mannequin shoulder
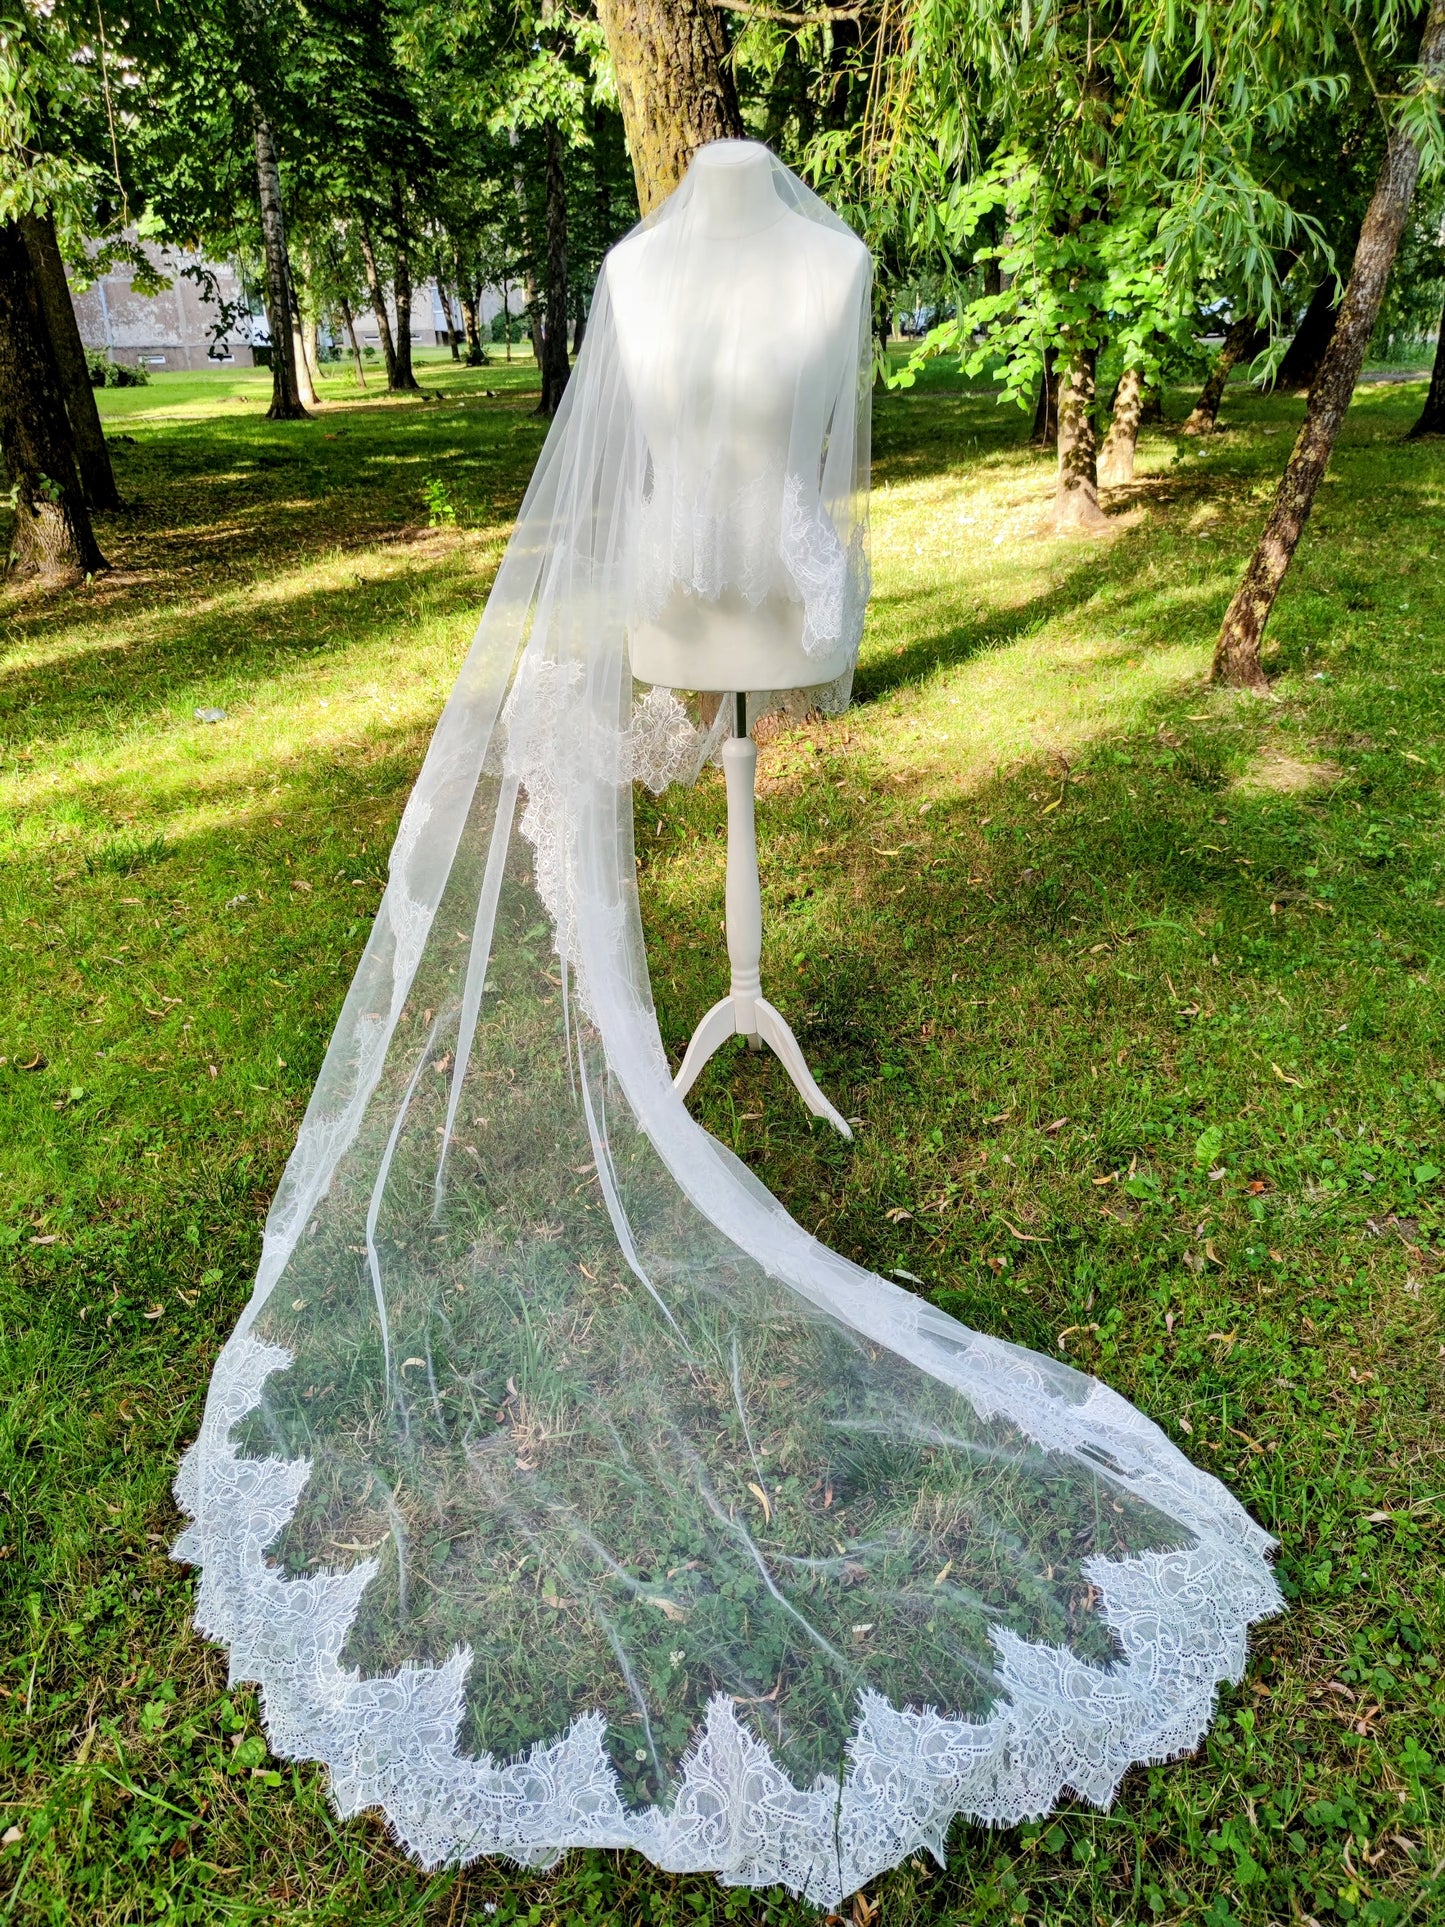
[626, 263]
[836, 251]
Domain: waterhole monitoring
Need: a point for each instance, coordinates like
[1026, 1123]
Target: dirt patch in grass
[1276, 771]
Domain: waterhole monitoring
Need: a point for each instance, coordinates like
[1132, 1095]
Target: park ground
[1133, 983]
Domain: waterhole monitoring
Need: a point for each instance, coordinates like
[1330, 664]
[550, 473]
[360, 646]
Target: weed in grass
[124, 855]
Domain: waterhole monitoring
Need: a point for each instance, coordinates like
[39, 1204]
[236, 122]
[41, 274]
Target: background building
[180, 326]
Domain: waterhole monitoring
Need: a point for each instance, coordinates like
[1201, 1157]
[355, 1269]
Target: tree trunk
[285, 395]
[1116, 458]
[450, 319]
[476, 354]
[1237, 653]
[92, 457]
[404, 381]
[579, 324]
[1045, 431]
[674, 85]
[52, 535]
[531, 305]
[305, 386]
[349, 321]
[311, 347]
[305, 367]
[1077, 501]
[1432, 417]
[555, 365]
[1304, 354]
[378, 305]
[1152, 411]
[1240, 344]
[506, 322]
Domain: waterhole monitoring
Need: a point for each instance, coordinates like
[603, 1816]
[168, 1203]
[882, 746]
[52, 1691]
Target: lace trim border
[392, 1742]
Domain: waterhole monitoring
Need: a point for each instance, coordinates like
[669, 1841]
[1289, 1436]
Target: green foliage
[440, 509]
[1126, 167]
[105, 373]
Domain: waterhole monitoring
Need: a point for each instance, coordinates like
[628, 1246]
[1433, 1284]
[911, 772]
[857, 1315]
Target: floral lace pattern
[773, 536]
[1179, 1617]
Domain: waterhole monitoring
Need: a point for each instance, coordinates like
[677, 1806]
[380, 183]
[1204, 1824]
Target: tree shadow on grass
[223, 500]
[98, 685]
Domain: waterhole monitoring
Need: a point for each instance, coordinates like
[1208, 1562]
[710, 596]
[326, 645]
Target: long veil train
[555, 1487]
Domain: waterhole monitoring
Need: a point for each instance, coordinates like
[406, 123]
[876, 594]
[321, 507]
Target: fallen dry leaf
[1027, 1237]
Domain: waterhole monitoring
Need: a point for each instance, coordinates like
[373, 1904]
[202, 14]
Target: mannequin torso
[720, 389]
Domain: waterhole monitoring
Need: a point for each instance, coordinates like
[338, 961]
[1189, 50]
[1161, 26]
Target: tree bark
[1237, 653]
[506, 321]
[1241, 343]
[305, 382]
[349, 321]
[674, 84]
[534, 317]
[1077, 501]
[285, 394]
[52, 534]
[305, 367]
[449, 318]
[403, 380]
[1045, 431]
[1302, 358]
[531, 306]
[1432, 416]
[476, 354]
[378, 305]
[92, 457]
[1116, 458]
[555, 366]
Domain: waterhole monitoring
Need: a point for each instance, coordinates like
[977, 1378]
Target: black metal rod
[740, 713]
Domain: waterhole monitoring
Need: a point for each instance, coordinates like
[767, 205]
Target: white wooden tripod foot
[721, 1023]
[745, 1012]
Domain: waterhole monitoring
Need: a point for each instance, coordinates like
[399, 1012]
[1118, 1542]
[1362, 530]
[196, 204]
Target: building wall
[428, 319]
[166, 330]
[172, 329]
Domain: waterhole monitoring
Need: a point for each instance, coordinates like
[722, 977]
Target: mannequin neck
[733, 191]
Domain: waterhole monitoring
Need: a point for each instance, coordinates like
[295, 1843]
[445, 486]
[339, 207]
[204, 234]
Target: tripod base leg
[711, 1034]
[770, 1028]
[780, 1040]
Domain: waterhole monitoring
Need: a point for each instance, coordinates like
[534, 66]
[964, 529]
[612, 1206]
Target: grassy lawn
[1131, 982]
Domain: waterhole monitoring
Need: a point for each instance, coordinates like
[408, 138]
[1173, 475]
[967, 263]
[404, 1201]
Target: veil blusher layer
[569, 1493]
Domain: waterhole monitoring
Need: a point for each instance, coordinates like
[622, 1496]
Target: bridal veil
[556, 1488]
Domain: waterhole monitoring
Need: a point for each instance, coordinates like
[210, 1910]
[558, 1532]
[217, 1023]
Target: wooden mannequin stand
[745, 1012]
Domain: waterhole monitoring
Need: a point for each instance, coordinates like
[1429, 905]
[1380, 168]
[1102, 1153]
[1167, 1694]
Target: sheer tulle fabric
[555, 1487]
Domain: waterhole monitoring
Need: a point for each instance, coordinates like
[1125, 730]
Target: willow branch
[815, 17]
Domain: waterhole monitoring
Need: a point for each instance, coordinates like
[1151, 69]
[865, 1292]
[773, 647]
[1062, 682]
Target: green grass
[1132, 983]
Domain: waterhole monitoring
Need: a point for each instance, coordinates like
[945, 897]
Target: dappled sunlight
[187, 777]
[1033, 699]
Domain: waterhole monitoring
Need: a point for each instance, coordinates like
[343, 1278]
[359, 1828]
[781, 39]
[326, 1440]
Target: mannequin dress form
[717, 383]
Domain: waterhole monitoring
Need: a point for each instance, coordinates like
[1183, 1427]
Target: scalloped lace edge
[1180, 1619]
